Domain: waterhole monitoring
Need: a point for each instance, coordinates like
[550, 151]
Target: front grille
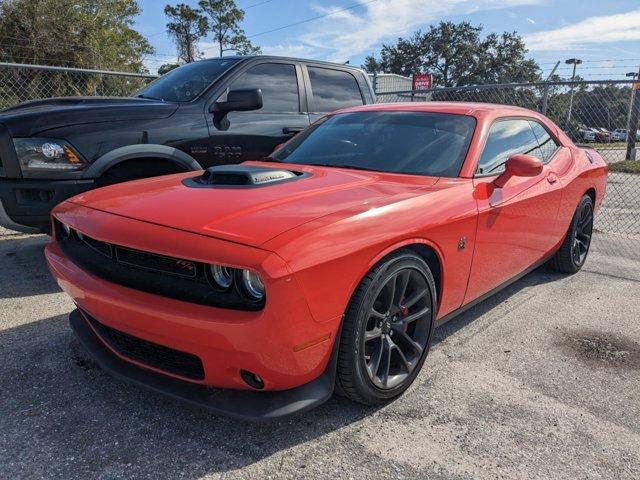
[169, 277]
[148, 353]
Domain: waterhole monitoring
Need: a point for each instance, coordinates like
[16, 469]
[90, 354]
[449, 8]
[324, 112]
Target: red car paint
[313, 240]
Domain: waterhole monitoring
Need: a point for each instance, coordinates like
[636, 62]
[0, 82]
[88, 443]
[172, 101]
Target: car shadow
[64, 417]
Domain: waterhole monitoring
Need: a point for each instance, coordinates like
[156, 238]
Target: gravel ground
[541, 381]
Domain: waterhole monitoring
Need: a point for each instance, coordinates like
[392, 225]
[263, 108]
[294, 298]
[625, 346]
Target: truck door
[331, 90]
[253, 135]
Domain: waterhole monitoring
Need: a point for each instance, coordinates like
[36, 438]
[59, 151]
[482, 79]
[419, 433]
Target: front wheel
[573, 252]
[387, 329]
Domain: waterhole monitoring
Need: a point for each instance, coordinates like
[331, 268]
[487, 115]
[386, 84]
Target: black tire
[402, 278]
[137, 169]
[573, 252]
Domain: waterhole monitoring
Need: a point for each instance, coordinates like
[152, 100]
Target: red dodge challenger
[257, 289]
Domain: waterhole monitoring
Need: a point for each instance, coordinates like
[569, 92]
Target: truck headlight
[47, 154]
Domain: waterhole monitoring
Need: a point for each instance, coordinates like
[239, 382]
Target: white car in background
[587, 135]
[619, 135]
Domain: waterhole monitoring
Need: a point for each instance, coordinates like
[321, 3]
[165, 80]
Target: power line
[318, 17]
[257, 4]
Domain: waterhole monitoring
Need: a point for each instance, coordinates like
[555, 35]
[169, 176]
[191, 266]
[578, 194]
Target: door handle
[292, 130]
[552, 178]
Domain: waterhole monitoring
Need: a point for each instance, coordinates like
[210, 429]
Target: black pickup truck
[211, 112]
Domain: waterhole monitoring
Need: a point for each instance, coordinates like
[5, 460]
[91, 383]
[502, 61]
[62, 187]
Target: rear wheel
[574, 249]
[387, 330]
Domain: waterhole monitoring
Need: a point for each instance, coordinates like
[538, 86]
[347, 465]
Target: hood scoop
[242, 176]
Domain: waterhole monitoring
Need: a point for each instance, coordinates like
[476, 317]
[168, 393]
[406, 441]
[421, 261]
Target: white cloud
[531, 21]
[343, 35]
[592, 30]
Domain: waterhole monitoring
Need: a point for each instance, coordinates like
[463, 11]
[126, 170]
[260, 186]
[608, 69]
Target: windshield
[420, 143]
[185, 83]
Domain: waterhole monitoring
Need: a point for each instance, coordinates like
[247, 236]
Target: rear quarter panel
[588, 171]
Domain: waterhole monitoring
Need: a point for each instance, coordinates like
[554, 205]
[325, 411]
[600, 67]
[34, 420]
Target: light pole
[575, 62]
[634, 116]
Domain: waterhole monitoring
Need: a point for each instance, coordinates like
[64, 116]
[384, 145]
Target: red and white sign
[422, 81]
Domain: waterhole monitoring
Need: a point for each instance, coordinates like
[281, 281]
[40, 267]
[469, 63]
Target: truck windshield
[418, 143]
[185, 83]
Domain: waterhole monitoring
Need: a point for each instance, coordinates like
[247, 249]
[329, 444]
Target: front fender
[130, 152]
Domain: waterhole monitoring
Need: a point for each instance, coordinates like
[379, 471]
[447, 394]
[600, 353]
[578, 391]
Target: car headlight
[252, 285]
[47, 154]
[246, 283]
[222, 276]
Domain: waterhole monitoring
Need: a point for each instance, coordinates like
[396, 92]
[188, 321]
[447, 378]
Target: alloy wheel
[582, 234]
[398, 328]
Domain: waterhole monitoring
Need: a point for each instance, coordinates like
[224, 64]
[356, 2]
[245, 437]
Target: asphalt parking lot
[541, 381]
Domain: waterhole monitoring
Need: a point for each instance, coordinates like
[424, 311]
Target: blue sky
[605, 34]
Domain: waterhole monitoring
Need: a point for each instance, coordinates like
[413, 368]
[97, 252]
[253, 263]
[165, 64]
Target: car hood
[30, 118]
[253, 216]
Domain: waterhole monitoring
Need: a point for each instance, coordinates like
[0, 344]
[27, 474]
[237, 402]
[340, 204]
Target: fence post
[412, 86]
[634, 118]
[375, 83]
[545, 98]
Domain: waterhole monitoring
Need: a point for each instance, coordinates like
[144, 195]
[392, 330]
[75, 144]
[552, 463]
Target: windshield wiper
[142, 95]
[269, 158]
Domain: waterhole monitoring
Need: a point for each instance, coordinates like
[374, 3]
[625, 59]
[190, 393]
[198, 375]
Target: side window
[279, 85]
[548, 145]
[506, 138]
[333, 89]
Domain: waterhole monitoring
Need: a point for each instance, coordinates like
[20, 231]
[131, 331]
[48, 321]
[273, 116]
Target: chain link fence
[19, 83]
[603, 115]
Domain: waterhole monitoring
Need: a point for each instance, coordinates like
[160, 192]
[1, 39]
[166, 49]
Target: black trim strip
[482, 298]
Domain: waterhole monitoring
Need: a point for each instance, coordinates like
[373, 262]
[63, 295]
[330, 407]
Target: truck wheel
[136, 169]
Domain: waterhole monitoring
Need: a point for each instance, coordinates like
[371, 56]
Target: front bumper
[282, 343]
[241, 404]
[25, 204]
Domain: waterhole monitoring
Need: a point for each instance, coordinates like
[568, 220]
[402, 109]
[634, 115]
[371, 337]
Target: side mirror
[519, 165]
[237, 101]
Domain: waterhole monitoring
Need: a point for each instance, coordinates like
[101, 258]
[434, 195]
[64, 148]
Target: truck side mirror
[237, 101]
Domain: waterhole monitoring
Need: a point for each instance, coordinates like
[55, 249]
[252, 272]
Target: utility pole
[634, 116]
[575, 62]
[545, 95]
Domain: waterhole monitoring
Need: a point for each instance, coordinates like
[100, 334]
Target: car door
[331, 89]
[253, 135]
[517, 224]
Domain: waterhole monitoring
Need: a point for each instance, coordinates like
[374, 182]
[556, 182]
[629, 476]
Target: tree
[78, 33]
[75, 33]
[167, 67]
[456, 55]
[187, 26]
[224, 22]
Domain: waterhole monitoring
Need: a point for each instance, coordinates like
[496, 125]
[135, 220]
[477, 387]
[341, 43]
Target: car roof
[460, 108]
[291, 59]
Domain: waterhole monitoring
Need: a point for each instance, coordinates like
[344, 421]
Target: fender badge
[462, 243]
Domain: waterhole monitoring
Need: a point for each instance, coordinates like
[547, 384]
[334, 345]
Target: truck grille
[148, 353]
